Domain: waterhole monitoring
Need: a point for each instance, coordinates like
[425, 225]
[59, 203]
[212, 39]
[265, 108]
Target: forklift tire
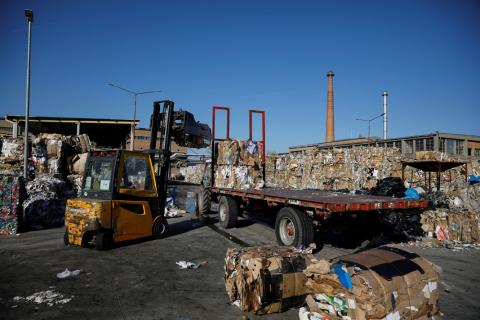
[204, 201]
[65, 238]
[228, 212]
[293, 227]
[103, 240]
[160, 228]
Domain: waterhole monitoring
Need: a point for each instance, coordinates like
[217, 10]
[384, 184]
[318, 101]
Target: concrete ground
[141, 280]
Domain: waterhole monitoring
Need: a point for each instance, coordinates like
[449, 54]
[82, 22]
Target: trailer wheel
[103, 240]
[293, 227]
[227, 212]
[204, 201]
[160, 228]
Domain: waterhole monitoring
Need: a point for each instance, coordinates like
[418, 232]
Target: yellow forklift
[121, 198]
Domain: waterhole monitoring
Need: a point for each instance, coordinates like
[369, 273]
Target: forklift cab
[118, 201]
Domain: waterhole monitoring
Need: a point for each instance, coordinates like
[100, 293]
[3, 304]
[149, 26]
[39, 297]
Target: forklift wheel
[103, 240]
[65, 238]
[160, 228]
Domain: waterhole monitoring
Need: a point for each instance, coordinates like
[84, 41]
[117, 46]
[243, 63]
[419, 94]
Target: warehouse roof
[105, 132]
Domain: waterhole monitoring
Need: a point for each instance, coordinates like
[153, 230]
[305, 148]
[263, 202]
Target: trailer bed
[324, 201]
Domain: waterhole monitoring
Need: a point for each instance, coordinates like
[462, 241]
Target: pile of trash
[381, 283]
[46, 200]
[266, 279]
[239, 164]
[12, 194]
[11, 156]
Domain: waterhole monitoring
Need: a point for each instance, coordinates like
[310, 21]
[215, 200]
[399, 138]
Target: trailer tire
[293, 227]
[160, 228]
[204, 201]
[228, 212]
[103, 240]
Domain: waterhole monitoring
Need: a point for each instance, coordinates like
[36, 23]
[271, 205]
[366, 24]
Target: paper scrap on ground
[49, 297]
[67, 274]
[190, 265]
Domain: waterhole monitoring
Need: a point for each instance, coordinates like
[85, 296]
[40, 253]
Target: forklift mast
[165, 118]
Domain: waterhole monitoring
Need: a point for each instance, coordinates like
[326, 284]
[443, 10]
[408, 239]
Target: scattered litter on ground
[174, 212]
[48, 297]
[67, 274]
[190, 265]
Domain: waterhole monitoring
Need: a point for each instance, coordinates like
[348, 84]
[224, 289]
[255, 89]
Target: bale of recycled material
[12, 193]
[455, 225]
[78, 163]
[239, 165]
[266, 279]
[381, 283]
[45, 204]
[11, 156]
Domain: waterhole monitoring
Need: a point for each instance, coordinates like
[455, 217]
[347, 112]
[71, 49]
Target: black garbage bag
[390, 187]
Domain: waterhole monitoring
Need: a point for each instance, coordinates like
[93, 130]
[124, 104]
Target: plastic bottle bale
[266, 279]
[12, 194]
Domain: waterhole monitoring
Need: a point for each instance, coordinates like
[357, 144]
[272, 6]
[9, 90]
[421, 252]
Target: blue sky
[270, 55]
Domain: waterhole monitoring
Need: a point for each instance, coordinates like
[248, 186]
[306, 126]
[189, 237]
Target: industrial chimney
[330, 136]
[385, 94]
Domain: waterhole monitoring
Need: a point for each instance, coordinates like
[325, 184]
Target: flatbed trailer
[296, 210]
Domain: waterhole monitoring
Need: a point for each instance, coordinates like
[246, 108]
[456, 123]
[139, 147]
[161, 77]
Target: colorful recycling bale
[12, 193]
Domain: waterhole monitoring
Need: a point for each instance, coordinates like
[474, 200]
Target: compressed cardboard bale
[386, 283]
[193, 174]
[225, 176]
[266, 279]
[11, 156]
[228, 152]
[78, 163]
[251, 153]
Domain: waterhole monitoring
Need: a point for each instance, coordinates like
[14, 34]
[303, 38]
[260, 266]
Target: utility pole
[29, 15]
[135, 94]
[369, 123]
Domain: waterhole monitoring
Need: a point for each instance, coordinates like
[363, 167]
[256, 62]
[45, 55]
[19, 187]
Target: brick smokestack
[330, 136]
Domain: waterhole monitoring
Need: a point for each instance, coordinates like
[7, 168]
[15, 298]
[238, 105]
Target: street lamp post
[29, 16]
[135, 94]
[369, 122]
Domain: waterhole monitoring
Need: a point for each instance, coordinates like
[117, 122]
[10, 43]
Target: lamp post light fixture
[135, 94]
[29, 16]
[369, 122]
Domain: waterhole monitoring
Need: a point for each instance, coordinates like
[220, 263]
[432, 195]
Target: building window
[459, 147]
[389, 144]
[429, 144]
[419, 145]
[451, 146]
[477, 153]
[441, 145]
[409, 146]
